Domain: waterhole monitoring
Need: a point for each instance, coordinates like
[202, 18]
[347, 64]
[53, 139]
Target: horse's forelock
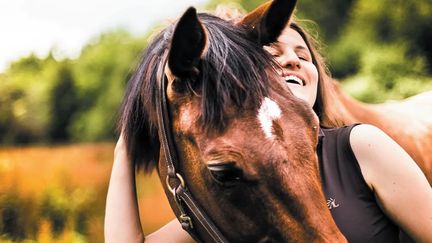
[234, 74]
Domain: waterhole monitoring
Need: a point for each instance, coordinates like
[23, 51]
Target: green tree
[24, 108]
[101, 73]
[63, 104]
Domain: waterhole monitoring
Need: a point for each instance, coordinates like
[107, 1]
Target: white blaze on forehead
[267, 113]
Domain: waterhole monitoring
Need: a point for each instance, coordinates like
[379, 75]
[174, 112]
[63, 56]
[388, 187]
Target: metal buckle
[184, 219]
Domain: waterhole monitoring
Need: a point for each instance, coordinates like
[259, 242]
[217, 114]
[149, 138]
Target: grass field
[57, 194]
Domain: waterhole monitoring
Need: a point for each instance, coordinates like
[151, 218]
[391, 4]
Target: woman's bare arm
[122, 222]
[400, 186]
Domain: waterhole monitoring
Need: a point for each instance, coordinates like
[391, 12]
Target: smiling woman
[290, 50]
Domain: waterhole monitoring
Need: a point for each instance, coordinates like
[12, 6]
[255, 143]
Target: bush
[18, 217]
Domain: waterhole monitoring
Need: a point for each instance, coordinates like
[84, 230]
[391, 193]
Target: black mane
[234, 73]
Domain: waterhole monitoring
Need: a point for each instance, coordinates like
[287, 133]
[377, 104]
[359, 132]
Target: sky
[37, 26]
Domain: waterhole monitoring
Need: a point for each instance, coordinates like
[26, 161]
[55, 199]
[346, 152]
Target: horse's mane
[234, 73]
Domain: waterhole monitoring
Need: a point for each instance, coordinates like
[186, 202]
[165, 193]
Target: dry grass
[75, 179]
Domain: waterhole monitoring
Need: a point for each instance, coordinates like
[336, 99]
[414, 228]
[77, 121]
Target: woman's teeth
[294, 79]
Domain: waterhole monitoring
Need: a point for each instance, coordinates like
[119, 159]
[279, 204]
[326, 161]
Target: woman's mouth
[294, 80]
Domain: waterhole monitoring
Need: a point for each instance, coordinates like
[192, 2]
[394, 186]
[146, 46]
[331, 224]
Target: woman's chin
[297, 90]
[300, 92]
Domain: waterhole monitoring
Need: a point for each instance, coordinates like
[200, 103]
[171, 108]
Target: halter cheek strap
[191, 214]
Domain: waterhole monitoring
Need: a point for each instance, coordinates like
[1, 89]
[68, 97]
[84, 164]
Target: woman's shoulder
[357, 134]
[356, 142]
[367, 130]
[377, 154]
[367, 139]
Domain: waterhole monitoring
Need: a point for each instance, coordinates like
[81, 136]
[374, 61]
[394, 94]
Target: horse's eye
[226, 174]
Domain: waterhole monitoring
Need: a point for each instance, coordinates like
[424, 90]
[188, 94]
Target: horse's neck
[354, 111]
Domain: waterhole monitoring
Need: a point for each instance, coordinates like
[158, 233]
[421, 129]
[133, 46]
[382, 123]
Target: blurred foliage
[65, 202]
[101, 73]
[383, 50]
[63, 103]
[44, 100]
[379, 50]
[328, 13]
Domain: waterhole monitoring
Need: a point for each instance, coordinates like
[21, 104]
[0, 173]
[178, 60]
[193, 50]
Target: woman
[367, 177]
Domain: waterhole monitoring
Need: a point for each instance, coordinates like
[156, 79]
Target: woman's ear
[268, 20]
[187, 46]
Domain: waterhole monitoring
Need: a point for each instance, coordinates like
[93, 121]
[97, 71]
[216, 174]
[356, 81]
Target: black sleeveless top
[351, 202]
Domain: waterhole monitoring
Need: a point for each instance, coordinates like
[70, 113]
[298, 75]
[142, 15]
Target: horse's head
[246, 145]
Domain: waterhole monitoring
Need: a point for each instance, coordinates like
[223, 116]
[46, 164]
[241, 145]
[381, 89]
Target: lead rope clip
[185, 220]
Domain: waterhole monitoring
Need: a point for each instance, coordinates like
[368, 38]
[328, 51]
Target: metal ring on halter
[179, 177]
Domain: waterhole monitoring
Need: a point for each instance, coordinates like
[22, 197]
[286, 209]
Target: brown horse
[408, 122]
[246, 146]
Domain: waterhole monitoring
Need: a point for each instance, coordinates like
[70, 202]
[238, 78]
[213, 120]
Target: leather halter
[191, 214]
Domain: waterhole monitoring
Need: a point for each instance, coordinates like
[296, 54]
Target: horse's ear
[268, 20]
[187, 45]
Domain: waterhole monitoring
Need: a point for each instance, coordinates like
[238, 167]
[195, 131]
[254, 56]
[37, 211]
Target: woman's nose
[289, 60]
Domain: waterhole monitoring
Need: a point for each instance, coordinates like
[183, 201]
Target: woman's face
[297, 69]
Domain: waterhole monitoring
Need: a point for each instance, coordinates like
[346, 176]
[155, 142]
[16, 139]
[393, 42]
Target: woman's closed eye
[303, 54]
[303, 58]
